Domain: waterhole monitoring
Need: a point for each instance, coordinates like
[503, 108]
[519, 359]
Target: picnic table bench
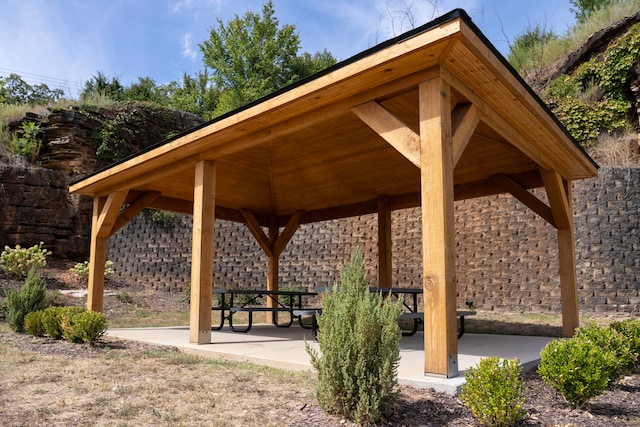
[254, 301]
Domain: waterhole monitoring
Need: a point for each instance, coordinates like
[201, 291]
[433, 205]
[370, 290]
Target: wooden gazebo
[432, 116]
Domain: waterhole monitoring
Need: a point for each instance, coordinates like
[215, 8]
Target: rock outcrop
[35, 205]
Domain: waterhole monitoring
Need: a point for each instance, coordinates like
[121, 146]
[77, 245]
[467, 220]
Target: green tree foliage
[14, 91]
[253, 55]
[358, 338]
[582, 9]
[145, 89]
[102, 86]
[193, 95]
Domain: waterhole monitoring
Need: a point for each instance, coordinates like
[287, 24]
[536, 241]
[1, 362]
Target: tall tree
[584, 8]
[253, 55]
[14, 91]
[101, 85]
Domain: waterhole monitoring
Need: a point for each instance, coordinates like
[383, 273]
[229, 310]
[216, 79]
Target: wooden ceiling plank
[465, 119]
[391, 129]
[252, 223]
[134, 209]
[558, 199]
[525, 197]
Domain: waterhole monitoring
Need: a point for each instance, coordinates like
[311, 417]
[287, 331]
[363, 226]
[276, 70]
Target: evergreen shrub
[494, 392]
[31, 297]
[358, 340]
[630, 329]
[578, 368]
[612, 340]
[52, 319]
[33, 323]
[82, 326]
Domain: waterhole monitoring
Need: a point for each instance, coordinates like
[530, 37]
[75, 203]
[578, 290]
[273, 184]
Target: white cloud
[188, 50]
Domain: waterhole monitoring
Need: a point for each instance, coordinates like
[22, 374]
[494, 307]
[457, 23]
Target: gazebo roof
[332, 144]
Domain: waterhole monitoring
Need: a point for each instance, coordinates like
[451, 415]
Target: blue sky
[63, 43]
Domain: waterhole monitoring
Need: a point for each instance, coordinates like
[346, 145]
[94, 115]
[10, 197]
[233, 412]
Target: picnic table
[255, 300]
[410, 305]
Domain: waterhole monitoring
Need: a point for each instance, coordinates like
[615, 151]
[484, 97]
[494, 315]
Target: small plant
[81, 269]
[124, 297]
[359, 336]
[31, 297]
[577, 367]
[33, 323]
[29, 144]
[20, 261]
[83, 326]
[4, 309]
[494, 392]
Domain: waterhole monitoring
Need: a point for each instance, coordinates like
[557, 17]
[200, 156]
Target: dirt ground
[123, 383]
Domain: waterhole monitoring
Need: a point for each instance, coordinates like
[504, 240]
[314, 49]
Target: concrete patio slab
[285, 348]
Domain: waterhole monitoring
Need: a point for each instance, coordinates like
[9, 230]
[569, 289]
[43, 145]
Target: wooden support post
[273, 262]
[385, 272]
[559, 195]
[105, 212]
[97, 259]
[438, 233]
[202, 252]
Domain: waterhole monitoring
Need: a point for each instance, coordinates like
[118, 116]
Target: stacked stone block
[506, 255]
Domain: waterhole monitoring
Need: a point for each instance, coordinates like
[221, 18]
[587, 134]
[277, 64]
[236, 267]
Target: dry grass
[623, 150]
[143, 385]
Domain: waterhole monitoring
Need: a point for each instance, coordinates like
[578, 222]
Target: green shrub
[578, 368]
[52, 319]
[630, 329]
[358, 339]
[83, 326]
[20, 261]
[31, 297]
[29, 144]
[81, 269]
[494, 392]
[33, 323]
[611, 340]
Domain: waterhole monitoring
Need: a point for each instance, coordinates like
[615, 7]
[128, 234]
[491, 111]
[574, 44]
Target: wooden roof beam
[108, 213]
[134, 209]
[464, 121]
[527, 199]
[558, 199]
[391, 129]
[494, 120]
